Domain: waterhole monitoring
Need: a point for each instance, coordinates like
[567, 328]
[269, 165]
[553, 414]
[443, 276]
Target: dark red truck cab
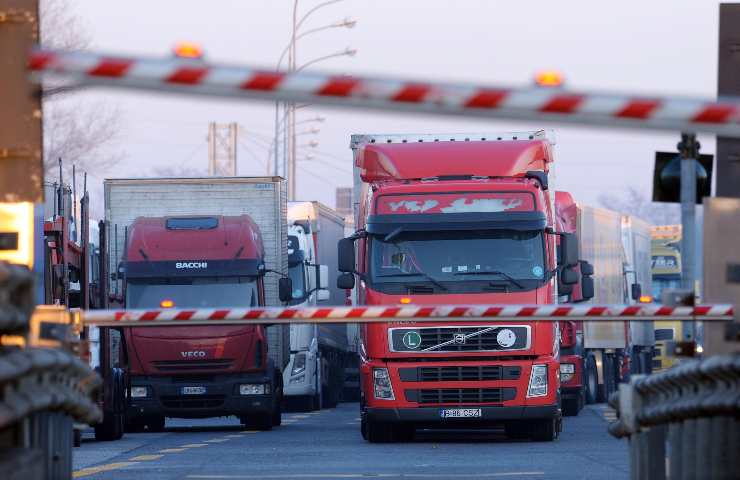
[198, 371]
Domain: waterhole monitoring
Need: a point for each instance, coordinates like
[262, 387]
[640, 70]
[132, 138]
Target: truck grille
[459, 339]
[459, 374]
[199, 401]
[187, 365]
[461, 395]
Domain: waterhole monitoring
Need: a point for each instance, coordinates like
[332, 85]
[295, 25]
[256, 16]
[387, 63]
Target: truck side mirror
[568, 276]
[346, 281]
[587, 288]
[636, 291]
[346, 255]
[587, 269]
[285, 289]
[568, 251]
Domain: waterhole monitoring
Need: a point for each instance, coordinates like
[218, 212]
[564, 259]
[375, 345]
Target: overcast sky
[645, 46]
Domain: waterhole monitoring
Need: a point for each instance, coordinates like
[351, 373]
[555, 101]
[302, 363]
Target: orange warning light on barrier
[405, 300]
[549, 78]
[188, 50]
[166, 304]
[645, 299]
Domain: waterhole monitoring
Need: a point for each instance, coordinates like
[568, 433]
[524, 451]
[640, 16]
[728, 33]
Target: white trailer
[618, 247]
[319, 353]
[264, 199]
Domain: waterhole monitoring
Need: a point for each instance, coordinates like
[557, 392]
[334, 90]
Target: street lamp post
[289, 146]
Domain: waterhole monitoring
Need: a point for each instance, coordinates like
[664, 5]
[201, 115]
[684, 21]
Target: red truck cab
[198, 371]
[456, 220]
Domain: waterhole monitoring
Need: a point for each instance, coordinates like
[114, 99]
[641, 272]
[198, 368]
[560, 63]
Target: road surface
[328, 444]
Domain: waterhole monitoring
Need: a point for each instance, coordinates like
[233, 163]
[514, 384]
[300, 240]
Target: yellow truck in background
[666, 270]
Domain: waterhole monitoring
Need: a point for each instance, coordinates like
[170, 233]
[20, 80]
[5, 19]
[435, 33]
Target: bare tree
[80, 133]
[635, 202]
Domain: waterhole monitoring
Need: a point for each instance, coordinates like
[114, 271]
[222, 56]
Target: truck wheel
[377, 432]
[545, 430]
[76, 437]
[263, 423]
[571, 406]
[592, 381]
[516, 430]
[110, 428]
[135, 425]
[155, 424]
[277, 414]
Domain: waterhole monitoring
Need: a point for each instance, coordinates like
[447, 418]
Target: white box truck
[315, 374]
[200, 243]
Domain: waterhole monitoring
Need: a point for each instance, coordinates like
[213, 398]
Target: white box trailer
[264, 199]
[600, 235]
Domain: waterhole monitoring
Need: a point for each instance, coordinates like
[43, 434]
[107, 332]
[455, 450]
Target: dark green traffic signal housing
[667, 177]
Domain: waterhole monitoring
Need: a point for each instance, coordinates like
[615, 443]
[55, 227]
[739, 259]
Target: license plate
[460, 413]
[193, 390]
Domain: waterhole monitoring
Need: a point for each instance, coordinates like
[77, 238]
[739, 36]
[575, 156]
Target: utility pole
[728, 84]
[689, 150]
[21, 165]
[222, 139]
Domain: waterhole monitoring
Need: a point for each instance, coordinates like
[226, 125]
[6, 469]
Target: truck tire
[591, 381]
[516, 430]
[155, 424]
[376, 432]
[277, 412]
[111, 428]
[545, 430]
[262, 423]
[76, 437]
[571, 406]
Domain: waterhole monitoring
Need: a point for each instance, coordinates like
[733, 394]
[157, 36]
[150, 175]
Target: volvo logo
[411, 340]
[459, 338]
[193, 354]
[189, 265]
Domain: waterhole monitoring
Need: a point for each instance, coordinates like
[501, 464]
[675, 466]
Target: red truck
[175, 254]
[458, 219]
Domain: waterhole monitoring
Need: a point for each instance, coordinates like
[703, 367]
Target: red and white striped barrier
[187, 75]
[405, 313]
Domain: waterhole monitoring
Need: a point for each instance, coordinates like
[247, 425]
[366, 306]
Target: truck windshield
[200, 292]
[481, 260]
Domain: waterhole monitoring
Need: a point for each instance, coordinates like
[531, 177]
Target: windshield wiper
[409, 274]
[494, 272]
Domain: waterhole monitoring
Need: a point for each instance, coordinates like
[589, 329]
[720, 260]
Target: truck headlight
[254, 389]
[139, 392]
[299, 364]
[382, 384]
[567, 372]
[537, 381]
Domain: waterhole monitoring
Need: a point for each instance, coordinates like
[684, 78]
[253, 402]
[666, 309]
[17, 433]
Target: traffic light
[667, 177]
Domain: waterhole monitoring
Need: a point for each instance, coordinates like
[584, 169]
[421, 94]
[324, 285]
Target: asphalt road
[328, 444]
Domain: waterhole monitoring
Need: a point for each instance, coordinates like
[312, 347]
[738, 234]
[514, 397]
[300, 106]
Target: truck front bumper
[430, 416]
[221, 397]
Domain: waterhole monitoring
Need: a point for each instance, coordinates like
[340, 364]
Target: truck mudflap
[199, 398]
[434, 415]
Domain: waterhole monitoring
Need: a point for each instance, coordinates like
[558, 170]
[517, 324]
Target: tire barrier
[684, 422]
[44, 380]
[16, 298]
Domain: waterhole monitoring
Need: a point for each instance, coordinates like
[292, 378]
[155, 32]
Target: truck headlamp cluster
[537, 381]
[382, 384]
[254, 389]
[567, 371]
[299, 364]
[139, 392]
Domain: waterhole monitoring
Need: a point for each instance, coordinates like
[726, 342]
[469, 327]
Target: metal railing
[683, 423]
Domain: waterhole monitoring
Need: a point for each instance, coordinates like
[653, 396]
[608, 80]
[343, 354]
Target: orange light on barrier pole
[16, 233]
[549, 78]
[188, 50]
